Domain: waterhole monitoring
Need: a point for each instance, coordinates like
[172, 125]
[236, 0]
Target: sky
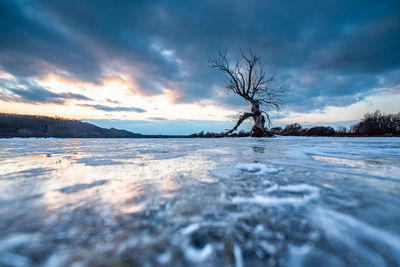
[143, 65]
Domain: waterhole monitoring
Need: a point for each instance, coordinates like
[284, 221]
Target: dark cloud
[32, 43]
[315, 90]
[370, 48]
[108, 108]
[28, 92]
[332, 52]
[40, 95]
[113, 101]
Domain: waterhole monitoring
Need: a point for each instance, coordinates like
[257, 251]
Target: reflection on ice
[232, 202]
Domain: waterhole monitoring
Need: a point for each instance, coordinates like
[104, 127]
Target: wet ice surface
[178, 202]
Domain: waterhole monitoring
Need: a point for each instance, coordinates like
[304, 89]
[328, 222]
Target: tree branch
[241, 119]
[246, 77]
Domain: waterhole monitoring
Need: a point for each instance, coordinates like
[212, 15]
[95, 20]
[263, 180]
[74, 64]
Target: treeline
[296, 129]
[13, 125]
[377, 123]
[202, 134]
[373, 124]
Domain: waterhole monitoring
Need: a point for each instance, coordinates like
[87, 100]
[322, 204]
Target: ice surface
[231, 171]
[287, 201]
[77, 187]
[276, 201]
[238, 256]
[190, 228]
[16, 240]
[198, 255]
[225, 172]
[257, 168]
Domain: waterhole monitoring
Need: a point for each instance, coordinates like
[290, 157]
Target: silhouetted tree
[276, 130]
[292, 129]
[320, 131]
[378, 123]
[341, 130]
[246, 77]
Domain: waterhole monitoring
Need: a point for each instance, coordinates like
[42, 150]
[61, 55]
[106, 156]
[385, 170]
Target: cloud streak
[27, 92]
[108, 108]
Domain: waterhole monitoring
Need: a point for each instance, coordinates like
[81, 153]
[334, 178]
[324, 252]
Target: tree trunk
[258, 129]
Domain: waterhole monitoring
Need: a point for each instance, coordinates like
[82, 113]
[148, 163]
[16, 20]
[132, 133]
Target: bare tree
[246, 77]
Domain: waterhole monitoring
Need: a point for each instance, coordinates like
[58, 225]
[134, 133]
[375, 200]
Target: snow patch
[274, 201]
[297, 254]
[298, 188]
[237, 253]
[256, 168]
[16, 240]
[309, 193]
[190, 228]
[198, 255]
[11, 242]
[164, 258]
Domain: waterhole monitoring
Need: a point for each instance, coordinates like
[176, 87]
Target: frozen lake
[292, 201]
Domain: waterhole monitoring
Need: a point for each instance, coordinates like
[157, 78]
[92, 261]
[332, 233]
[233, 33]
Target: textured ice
[16, 240]
[257, 168]
[225, 172]
[198, 254]
[238, 256]
[190, 228]
[231, 171]
[308, 193]
[77, 187]
[287, 201]
[97, 162]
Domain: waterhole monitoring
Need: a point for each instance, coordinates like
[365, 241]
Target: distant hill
[13, 125]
